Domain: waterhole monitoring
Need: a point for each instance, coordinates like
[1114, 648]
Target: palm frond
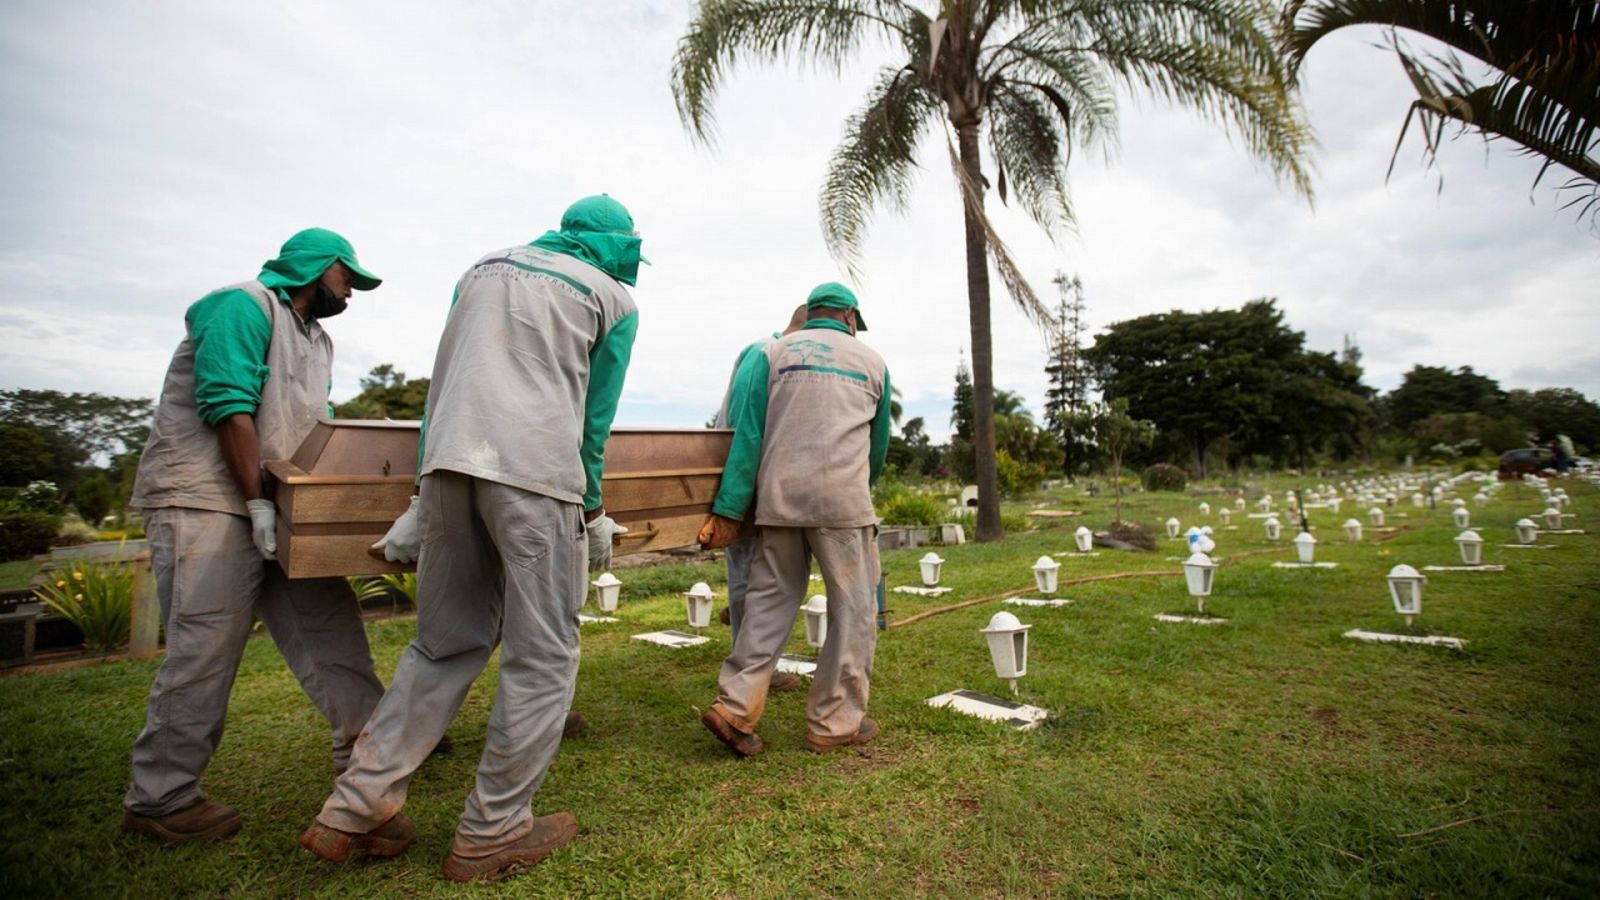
[1215, 57]
[875, 161]
[1005, 266]
[825, 32]
[1027, 142]
[1544, 96]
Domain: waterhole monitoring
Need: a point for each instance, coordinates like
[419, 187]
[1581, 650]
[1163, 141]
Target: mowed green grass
[1268, 756]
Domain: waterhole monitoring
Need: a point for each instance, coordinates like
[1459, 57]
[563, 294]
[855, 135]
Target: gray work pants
[212, 582]
[779, 573]
[498, 565]
[739, 555]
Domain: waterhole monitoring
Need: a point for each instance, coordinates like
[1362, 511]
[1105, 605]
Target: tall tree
[1036, 77]
[1200, 376]
[962, 404]
[1552, 411]
[1542, 92]
[97, 424]
[1427, 390]
[1067, 397]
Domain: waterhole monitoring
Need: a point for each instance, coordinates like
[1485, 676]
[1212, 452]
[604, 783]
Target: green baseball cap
[834, 295]
[309, 253]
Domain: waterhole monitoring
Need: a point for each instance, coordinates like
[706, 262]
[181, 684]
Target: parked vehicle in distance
[1526, 461]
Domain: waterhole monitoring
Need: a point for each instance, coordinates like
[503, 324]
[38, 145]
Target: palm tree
[1037, 77]
[1543, 93]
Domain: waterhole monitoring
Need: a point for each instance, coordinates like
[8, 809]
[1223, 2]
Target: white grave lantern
[1008, 646]
[1418, 500]
[1045, 572]
[1460, 516]
[1333, 505]
[816, 610]
[1198, 571]
[1239, 504]
[1405, 588]
[1389, 499]
[1471, 548]
[1224, 514]
[1274, 528]
[1172, 527]
[1457, 503]
[1265, 503]
[1352, 530]
[930, 568]
[1084, 538]
[1376, 515]
[697, 601]
[1552, 518]
[1306, 546]
[1480, 498]
[1205, 509]
[606, 590]
[1527, 532]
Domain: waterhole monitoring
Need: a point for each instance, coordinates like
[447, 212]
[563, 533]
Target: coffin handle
[635, 534]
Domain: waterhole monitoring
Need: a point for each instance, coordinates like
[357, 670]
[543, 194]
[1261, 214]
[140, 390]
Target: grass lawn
[1265, 757]
[17, 573]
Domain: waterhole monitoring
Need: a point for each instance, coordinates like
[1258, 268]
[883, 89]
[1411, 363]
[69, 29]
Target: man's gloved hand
[404, 539]
[264, 526]
[718, 532]
[600, 531]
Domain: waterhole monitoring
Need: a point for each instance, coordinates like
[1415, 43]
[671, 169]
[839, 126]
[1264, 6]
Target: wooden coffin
[352, 478]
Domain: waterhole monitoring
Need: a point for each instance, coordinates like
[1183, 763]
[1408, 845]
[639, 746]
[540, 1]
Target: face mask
[326, 304]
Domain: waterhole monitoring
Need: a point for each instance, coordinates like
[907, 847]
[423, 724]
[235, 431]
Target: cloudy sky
[155, 151]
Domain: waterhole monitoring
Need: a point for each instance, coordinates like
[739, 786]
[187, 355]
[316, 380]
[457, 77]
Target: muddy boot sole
[550, 834]
[389, 839]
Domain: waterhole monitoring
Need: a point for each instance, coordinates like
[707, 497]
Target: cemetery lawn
[1268, 756]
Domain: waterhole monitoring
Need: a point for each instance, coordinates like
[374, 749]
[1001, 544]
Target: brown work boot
[864, 734]
[549, 834]
[574, 726]
[200, 822]
[389, 839]
[737, 741]
[784, 681]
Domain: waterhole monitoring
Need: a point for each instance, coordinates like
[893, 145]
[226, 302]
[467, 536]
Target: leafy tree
[1118, 433]
[31, 453]
[1321, 402]
[93, 423]
[1427, 390]
[1200, 376]
[95, 497]
[1552, 411]
[386, 393]
[1543, 91]
[1036, 77]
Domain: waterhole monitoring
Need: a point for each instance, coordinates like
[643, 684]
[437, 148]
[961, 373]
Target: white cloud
[155, 153]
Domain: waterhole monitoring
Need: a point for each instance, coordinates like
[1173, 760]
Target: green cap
[308, 254]
[834, 295]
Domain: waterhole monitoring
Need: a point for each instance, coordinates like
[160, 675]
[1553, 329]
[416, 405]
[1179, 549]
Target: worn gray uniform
[524, 390]
[212, 581]
[818, 402]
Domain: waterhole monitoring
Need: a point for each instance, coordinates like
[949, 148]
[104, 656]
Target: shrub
[1165, 477]
[1016, 478]
[24, 534]
[94, 498]
[907, 508]
[96, 597]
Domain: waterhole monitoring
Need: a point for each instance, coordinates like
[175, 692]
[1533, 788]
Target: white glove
[600, 532]
[264, 526]
[404, 539]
